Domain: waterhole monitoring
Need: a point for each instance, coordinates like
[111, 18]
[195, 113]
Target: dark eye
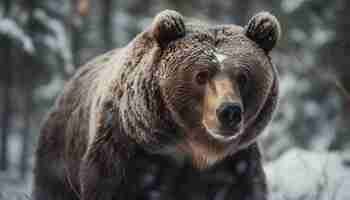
[242, 81]
[202, 77]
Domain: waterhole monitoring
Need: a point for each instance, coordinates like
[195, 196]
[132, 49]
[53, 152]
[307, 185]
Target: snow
[58, 41]
[306, 116]
[321, 36]
[11, 187]
[301, 174]
[298, 35]
[50, 90]
[14, 31]
[289, 6]
[15, 148]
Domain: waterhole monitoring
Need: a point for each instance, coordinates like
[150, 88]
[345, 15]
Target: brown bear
[173, 115]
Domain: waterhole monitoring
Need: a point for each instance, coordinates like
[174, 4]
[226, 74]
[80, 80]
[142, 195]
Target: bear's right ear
[167, 26]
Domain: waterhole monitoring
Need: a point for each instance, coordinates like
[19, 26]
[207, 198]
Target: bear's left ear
[264, 29]
[167, 26]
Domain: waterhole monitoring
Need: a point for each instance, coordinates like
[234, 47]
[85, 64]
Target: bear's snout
[230, 115]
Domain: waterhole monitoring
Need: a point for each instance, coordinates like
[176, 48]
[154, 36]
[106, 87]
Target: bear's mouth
[224, 135]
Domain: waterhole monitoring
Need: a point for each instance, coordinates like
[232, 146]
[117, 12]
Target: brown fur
[137, 111]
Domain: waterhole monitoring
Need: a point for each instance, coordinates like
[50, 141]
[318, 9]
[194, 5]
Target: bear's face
[220, 85]
[217, 83]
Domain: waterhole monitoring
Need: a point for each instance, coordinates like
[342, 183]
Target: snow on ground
[11, 189]
[11, 186]
[305, 175]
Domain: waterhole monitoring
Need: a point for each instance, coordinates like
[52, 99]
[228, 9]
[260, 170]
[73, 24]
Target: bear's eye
[202, 77]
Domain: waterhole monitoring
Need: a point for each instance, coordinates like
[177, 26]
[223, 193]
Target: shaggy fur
[130, 124]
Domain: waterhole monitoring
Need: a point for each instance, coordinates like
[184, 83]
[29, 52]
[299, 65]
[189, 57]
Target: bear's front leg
[246, 168]
[102, 174]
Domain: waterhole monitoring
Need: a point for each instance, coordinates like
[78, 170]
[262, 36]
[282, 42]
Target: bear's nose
[229, 114]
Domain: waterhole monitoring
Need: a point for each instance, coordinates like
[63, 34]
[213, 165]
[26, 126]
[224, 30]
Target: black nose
[229, 114]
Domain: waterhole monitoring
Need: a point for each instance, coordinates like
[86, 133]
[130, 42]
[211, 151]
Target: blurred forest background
[306, 148]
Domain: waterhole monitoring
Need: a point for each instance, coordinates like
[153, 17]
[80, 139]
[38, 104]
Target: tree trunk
[341, 45]
[6, 114]
[26, 85]
[335, 54]
[107, 25]
[76, 43]
[26, 132]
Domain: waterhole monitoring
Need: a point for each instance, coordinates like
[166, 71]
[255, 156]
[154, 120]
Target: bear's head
[207, 91]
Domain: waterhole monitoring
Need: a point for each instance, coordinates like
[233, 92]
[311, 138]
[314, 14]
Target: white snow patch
[289, 6]
[50, 90]
[315, 175]
[14, 31]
